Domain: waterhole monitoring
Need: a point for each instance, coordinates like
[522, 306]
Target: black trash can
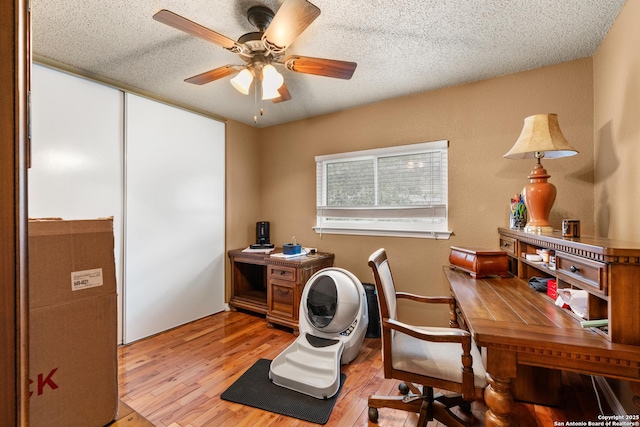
[373, 330]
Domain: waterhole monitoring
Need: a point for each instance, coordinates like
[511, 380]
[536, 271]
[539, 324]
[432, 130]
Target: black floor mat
[254, 388]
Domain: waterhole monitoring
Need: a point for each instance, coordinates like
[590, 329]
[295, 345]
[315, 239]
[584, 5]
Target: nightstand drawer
[281, 300]
[583, 273]
[508, 245]
[282, 273]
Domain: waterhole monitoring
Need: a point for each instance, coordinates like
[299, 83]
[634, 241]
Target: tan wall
[616, 71]
[482, 121]
[242, 189]
[617, 128]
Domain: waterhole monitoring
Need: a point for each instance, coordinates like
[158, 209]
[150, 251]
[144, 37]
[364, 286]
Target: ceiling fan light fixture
[263, 48]
[271, 82]
[242, 82]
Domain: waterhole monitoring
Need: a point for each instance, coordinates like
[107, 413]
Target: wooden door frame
[14, 84]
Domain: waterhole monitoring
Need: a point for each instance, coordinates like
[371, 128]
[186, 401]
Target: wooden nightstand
[273, 286]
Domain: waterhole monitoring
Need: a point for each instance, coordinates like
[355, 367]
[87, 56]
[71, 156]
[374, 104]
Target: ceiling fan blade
[284, 94]
[293, 17]
[190, 27]
[320, 66]
[211, 75]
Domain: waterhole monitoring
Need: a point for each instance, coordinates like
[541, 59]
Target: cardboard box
[73, 366]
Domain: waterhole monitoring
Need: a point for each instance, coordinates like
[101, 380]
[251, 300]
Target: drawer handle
[281, 292]
[574, 269]
[506, 245]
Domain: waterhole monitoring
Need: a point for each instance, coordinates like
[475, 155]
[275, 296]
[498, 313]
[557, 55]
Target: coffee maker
[262, 236]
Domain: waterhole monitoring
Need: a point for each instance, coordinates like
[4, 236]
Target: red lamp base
[538, 196]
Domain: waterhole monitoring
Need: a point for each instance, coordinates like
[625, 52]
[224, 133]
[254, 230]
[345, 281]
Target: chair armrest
[437, 335]
[425, 299]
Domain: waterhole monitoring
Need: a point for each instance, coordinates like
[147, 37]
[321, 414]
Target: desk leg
[453, 315]
[501, 368]
[498, 398]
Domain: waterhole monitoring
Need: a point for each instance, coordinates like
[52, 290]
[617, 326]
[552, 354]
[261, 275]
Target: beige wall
[616, 77]
[481, 120]
[616, 70]
[242, 189]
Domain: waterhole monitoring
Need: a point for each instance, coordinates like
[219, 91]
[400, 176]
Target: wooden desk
[272, 286]
[607, 269]
[516, 326]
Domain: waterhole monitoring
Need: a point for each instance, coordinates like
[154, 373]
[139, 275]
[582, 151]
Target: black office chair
[424, 358]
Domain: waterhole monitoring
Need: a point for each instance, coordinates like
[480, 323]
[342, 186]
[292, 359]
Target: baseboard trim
[609, 396]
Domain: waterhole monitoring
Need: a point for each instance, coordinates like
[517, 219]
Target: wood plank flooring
[127, 417]
[175, 379]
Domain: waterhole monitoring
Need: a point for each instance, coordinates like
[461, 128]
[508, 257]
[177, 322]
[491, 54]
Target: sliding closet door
[76, 151]
[174, 204]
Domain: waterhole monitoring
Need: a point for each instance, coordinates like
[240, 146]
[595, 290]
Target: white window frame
[375, 220]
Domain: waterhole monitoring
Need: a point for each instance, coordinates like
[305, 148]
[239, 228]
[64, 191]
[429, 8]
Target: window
[395, 191]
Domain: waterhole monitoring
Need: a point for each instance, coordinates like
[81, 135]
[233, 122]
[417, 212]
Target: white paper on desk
[576, 299]
[258, 251]
[287, 256]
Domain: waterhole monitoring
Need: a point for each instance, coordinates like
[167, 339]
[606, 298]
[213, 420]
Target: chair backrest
[387, 303]
[387, 297]
[384, 284]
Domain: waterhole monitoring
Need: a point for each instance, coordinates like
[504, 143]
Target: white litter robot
[333, 322]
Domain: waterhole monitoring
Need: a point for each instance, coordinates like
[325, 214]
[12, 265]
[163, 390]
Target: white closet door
[76, 153]
[174, 210]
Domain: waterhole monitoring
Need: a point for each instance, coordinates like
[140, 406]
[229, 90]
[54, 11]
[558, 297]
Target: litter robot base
[333, 323]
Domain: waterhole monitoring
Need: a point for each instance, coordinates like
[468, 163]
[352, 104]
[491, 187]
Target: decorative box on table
[480, 262]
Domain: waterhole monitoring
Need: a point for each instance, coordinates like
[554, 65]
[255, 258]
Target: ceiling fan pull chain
[258, 108]
[255, 102]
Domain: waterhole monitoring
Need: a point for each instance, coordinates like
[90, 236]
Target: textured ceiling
[402, 47]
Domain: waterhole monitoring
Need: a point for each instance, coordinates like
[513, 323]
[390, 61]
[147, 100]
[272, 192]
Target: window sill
[437, 235]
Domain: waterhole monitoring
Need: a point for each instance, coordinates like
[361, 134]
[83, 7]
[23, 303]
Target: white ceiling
[402, 47]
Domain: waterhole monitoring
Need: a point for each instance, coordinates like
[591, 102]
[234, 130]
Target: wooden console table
[520, 329]
[272, 286]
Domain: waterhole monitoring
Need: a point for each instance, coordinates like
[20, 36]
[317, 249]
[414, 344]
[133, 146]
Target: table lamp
[540, 137]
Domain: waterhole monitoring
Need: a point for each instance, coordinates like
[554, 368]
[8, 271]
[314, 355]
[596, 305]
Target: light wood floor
[175, 379]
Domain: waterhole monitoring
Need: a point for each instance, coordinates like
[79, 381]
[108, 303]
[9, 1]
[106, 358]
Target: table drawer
[508, 245]
[282, 273]
[583, 273]
[282, 299]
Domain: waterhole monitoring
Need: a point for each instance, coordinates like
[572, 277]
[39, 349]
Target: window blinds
[395, 189]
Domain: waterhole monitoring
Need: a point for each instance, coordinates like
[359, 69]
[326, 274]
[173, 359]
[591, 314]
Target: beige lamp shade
[540, 138]
[541, 134]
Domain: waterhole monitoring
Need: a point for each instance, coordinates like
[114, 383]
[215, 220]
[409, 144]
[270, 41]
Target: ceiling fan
[263, 49]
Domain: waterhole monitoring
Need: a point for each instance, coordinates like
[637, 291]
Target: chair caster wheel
[404, 389]
[465, 407]
[373, 415]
